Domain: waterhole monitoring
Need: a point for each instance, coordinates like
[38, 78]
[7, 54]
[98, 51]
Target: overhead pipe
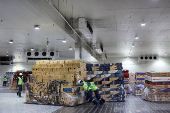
[51, 4]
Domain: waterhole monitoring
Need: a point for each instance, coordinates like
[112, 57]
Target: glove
[95, 102]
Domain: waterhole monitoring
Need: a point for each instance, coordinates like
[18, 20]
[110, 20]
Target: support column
[78, 50]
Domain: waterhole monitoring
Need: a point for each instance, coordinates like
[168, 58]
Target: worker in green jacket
[89, 88]
[5, 80]
[19, 82]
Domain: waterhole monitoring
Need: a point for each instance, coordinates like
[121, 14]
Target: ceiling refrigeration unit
[5, 60]
[99, 48]
[148, 58]
[41, 55]
[85, 28]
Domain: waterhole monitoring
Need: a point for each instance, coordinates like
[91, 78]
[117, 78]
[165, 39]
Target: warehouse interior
[121, 45]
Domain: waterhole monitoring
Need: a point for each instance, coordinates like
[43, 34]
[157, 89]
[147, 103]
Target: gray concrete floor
[133, 104]
[11, 103]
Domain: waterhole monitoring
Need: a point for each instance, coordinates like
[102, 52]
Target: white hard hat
[88, 78]
[79, 81]
[20, 73]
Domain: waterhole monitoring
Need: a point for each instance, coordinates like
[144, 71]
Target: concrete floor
[133, 104]
[10, 103]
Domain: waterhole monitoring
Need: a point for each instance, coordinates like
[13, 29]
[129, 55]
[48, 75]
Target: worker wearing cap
[89, 87]
[19, 82]
[5, 80]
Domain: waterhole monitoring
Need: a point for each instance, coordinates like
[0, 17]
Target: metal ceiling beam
[51, 11]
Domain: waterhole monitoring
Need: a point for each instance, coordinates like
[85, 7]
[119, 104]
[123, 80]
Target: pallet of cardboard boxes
[157, 86]
[47, 88]
[126, 81]
[139, 83]
[109, 79]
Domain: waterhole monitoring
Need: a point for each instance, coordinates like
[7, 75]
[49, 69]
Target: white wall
[162, 65]
[12, 68]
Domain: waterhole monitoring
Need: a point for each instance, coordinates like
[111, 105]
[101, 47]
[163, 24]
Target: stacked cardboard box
[109, 79]
[157, 86]
[126, 81]
[47, 86]
[139, 84]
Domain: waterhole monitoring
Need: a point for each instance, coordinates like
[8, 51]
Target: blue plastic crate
[140, 83]
[69, 90]
[90, 72]
[140, 78]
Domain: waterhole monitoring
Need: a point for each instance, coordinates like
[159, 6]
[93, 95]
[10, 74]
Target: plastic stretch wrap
[133, 88]
[137, 89]
[156, 94]
[69, 100]
[128, 88]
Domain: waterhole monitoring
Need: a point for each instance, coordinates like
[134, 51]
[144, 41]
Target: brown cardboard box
[105, 96]
[56, 73]
[69, 78]
[113, 78]
[106, 82]
[106, 89]
[97, 79]
[54, 62]
[61, 61]
[68, 61]
[39, 78]
[140, 81]
[107, 99]
[59, 77]
[114, 85]
[114, 92]
[140, 76]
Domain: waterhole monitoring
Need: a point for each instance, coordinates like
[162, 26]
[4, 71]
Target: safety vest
[5, 78]
[87, 88]
[19, 81]
[93, 86]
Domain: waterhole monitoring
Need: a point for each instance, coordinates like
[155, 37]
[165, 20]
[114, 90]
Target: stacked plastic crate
[126, 81]
[157, 86]
[109, 79]
[140, 81]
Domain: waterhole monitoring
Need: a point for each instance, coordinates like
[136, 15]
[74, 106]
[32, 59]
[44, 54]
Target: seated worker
[89, 87]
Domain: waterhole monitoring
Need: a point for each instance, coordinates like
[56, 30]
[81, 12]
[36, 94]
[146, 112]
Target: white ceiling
[115, 24]
[18, 20]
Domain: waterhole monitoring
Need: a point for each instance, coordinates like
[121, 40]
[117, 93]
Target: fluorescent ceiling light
[64, 41]
[136, 37]
[133, 45]
[36, 27]
[11, 42]
[32, 49]
[70, 48]
[142, 24]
